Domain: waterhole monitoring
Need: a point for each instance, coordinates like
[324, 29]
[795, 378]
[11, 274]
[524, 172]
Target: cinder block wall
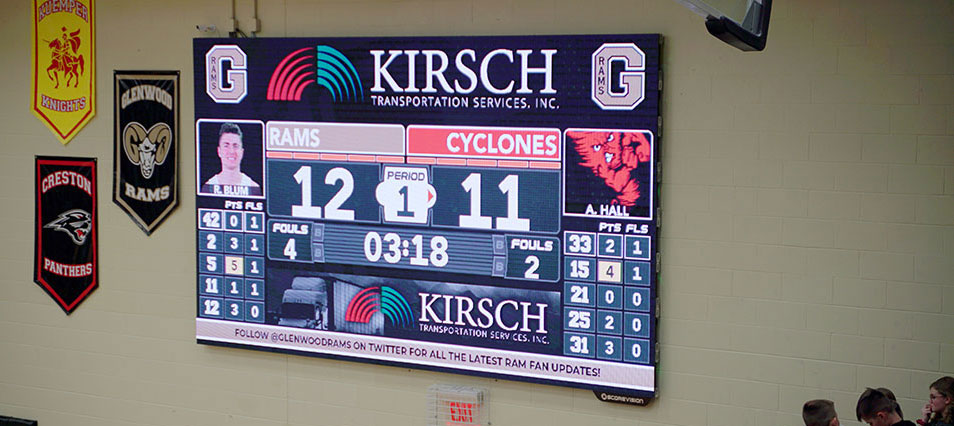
[807, 231]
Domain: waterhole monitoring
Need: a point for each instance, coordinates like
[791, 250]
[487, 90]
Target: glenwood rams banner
[479, 205]
[65, 264]
[64, 71]
[146, 139]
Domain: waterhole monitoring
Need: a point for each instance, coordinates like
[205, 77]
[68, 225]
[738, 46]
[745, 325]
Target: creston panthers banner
[475, 205]
[64, 65]
[146, 139]
[65, 263]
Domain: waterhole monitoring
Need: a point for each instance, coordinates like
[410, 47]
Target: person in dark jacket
[875, 408]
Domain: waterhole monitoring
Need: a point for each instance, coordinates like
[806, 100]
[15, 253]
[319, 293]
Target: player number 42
[211, 219]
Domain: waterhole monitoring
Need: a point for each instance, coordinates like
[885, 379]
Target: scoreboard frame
[480, 205]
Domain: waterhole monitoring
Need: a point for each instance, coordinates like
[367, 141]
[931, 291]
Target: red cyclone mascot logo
[612, 156]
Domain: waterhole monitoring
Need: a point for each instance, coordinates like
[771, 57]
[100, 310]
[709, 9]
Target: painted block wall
[807, 229]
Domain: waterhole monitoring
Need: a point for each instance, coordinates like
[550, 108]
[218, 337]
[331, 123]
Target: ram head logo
[147, 148]
[76, 223]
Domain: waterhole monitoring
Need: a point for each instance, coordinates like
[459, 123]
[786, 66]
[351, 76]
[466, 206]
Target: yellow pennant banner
[64, 77]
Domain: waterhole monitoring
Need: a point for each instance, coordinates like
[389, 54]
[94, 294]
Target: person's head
[230, 146]
[887, 392]
[877, 409]
[819, 412]
[942, 399]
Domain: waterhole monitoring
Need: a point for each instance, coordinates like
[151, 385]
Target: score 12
[323, 190]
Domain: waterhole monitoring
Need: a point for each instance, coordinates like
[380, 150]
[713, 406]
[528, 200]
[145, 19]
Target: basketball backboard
[741, 23]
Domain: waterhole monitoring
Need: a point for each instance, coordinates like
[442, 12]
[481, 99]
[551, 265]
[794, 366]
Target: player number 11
[509, 187]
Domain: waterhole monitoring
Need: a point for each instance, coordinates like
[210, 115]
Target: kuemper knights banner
[64, 71]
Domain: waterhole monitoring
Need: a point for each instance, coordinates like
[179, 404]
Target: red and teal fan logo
[321, 65]
[382, 299]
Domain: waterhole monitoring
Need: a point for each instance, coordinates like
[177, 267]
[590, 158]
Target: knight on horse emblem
[65, 58]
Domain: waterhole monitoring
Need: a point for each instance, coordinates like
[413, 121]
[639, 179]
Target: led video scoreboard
[476, 205]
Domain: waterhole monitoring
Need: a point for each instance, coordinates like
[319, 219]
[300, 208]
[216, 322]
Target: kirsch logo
[382, 299]
[324, 66]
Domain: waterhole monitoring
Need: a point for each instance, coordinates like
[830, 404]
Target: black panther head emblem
[76, 223]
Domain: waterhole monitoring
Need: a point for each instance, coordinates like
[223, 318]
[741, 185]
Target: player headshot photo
[232, 165]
